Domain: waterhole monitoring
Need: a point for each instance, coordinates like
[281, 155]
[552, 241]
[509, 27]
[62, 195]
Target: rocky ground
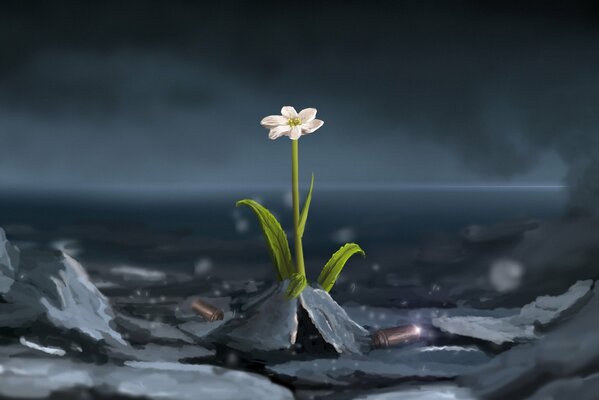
[130, 332]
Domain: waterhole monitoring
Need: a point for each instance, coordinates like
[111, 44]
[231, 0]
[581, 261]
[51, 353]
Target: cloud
[172, 94]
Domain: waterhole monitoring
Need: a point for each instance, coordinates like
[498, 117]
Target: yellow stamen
[294, 122]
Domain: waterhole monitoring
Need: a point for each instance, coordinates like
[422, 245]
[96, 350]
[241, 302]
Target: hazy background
[460, 150]
[168, 95]
[129, 129]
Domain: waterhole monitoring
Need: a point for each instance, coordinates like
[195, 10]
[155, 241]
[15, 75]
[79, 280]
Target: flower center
[294, 122]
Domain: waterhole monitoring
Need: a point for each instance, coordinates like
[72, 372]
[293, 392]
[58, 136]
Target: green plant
[294, 125]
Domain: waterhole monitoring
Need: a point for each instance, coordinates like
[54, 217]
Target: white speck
[344, 235]
[417, 330]
[202, 266]
[48, 350]
[68, 246]
[132, 272]
[288, 199]
[506, 274]
[446, 348]
[242, 225]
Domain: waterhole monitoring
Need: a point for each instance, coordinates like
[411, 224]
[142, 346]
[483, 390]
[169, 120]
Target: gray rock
[39, 377]
[568, 352]
[383, 366]
[333, 323]
[270, 322]
[548, 309]
[144, 331]
[200, 330]
[9, 263]
[579, 388]
[52, 288]
[495, 330]
[522, 326]
[156, 352]
[435, 391]
[385, 317]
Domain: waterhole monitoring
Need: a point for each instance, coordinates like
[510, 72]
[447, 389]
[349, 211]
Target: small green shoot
[297, 283]
[305, 209]
[275, 238]
[332, 269]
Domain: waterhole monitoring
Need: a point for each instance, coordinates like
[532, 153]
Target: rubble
[382, 366]
[38, 378]
[270, 322]
[523, 325]
[566, 357]
[50, 290]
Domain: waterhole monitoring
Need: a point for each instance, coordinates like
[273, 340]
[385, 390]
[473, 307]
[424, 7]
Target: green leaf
[304, 214]
[297, 283]
[275, 238]
[333, 267]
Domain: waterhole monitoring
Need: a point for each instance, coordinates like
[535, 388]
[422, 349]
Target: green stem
[299, 251]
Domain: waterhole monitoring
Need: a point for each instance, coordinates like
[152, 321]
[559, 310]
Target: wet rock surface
[9, 263]
[333, 323]
[139, 337]
[144, 331]
[380, 367]
[37, 378]
[523, 325]
[443, 391]
[51, 292]
[269, 322]
[564, 361]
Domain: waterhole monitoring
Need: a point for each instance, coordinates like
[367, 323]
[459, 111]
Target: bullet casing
[208, 311]
[393, 336]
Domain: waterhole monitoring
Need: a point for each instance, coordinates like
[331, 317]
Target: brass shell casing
[208, 311]
[393, 336]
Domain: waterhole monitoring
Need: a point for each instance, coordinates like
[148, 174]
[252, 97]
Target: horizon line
[234, 187]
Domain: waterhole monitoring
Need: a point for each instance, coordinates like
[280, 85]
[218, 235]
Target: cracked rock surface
[523, 325]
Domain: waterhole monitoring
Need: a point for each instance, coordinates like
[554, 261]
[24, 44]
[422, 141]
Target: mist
[144, 95]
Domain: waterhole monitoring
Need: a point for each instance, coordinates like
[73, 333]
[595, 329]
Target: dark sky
[170, 94]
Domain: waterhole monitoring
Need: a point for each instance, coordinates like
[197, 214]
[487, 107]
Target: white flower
[291, 124]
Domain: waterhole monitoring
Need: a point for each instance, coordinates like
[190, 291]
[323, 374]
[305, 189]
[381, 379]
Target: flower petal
[273, 120]
[311, 126]
[307, 115]
[278, 131]
[295, 133]
[289, 112]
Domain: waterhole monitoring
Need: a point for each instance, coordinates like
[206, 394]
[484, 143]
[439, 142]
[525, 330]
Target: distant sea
[179, 231]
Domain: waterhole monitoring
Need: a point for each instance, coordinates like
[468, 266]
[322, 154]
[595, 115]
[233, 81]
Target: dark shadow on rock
[271, 322]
